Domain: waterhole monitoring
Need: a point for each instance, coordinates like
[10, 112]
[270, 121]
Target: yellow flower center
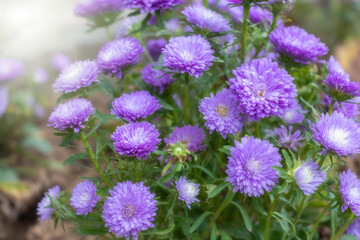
[222, 110]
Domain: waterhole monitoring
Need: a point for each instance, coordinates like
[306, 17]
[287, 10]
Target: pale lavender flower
[206, 19]
[191, 136]
[60, 61]
[129, 210]
[4, 100]
[188, 191]
[250, 166]
[296, 43]
[71, 115]
[84, 197]
[308, 177]
[41, 75]
[137, 139]
[155, 47]
[118, 54]
[10, 69]
[152, 5]
[334, 66]
[295, 114]
[44, 211]
[263, 89]
[76, 76]
[287, 139]
[350, 192]
[192, 55]
[259, 14]
[134, 106]
[94, 8]
[337, 134]
[354, 228]
[340, 83]
[156, 78]
[222, 113]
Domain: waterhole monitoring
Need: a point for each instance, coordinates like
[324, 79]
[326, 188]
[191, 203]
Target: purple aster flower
[263, 89]
[261, 54]
[130, 209]
[334, 66]
[191, 54]
[60, 61]
[173, 25]
[10, 69]
[187, 191]
[237, 12]
[295, 114]
[156, 78]
[41, 75]
[190, 136]
[136, 139]
[350, 192]
[222, 113]
[340, 83]
[119, 54]
[308, 177]
[155, 46]
[76, 76]
[43, 210]
[71, 114]
[135, 105]
[84, 197]
[250, 166]
[206, 19]
[296, 43]
[152, 5]
[93, 8]
[287, 139]
[337, 134]
[258, 14]
[4, 100]
[350, 108]
[354, 228]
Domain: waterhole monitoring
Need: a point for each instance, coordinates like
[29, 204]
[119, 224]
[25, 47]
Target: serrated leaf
[245, 216]
[199, 221]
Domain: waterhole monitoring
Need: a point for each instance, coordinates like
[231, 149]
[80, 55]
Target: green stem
[217, 214]
[344, 227]
[257, 127]
[93, 158]
[187, 110]
[317, 222]
[267, 225]
[206, 3]
[331, 106]
[276, 15]
[322, 161]
[298, 215]
[137, 169]
[108, 33]
[244, 29]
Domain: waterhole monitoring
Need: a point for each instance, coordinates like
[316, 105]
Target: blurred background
[39, 38]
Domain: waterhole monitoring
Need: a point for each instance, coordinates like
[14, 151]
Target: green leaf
[333, 220]
[218, 189]
[258, 205]
[348, 237]
[225, 236]
[204, 170]
[172, 173]
[287, 158]
[280, 215]
[245, 216]
[162, 231]
[213, 234]
[91, 230]
[93, 130]
[225, 149]
[166, 105]
[199, 221]
[66, 140]
[72, 160]
[101, 117]
[279, 169]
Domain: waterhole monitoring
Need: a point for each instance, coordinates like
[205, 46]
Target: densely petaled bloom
[287, 139]
[10, 69]
[250, 166]
[308, 177]
[93, 8]
[156, 78]
[263, 89]
[136, 139]
[135, 105]
[298, 44]
[84, 197]
[236, 12]
[187, 191]
[152, 5]
[76, 76]
[71, 114]
[130, 209]
[337, 134]
[43, 210]
[222, 113]
[334, 66]
[206, 19]
[190, 54]
[41, 75]
[155, 47]
[119, 54]
[354, 228]
[340, 83]
[4, 100]
[295, 114]
[60, 61]
[258, 14]
[191, 136]
[350, 192]
[350, 108]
